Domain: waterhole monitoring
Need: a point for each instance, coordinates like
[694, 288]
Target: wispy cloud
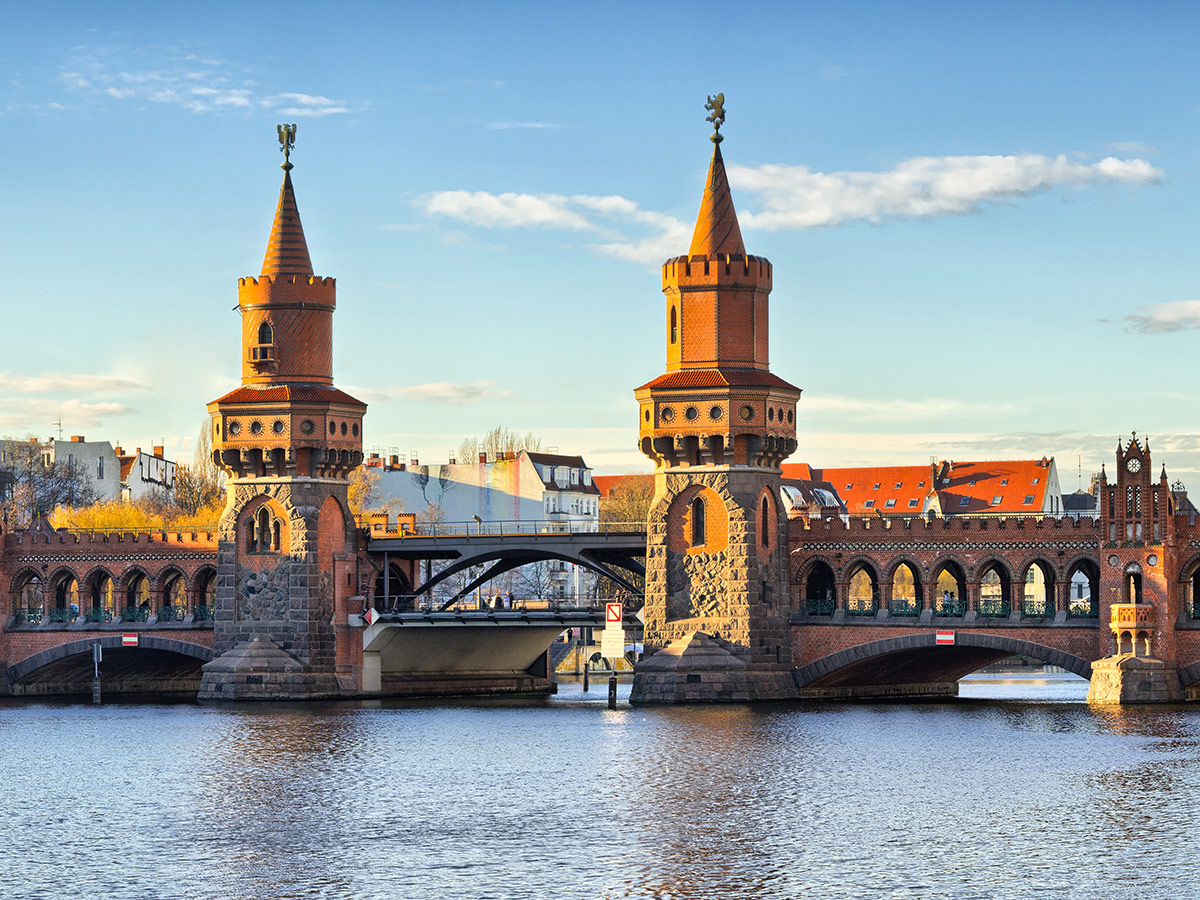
[924, 187]
[54, 382]
[27, 415]
[898, 409]
[795, 197]
[169, 75]
[506, 126]
[458, 394]
[1132, 147]
[1164, 318]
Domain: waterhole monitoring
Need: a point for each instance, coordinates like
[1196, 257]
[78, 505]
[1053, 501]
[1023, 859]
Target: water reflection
[1034, 795]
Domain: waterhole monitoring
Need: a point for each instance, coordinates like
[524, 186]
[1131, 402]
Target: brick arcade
[743, 600]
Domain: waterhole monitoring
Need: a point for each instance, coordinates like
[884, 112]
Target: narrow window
[265, 334]
[250, 536]
[674, 326]
[275, 537]
[100, 467]
[264, 529]
[766, 526]
[698, 522]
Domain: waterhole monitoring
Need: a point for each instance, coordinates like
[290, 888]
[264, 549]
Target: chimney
[452, 462]
[77, 439]
[482, 458]
[393, 461]
[158, 451]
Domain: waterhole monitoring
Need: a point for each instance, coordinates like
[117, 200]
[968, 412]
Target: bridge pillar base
[1130, 680]
[260, 670]
[700, 669]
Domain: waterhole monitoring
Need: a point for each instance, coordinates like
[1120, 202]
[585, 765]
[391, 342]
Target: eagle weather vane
[287, 140]
[716, 105]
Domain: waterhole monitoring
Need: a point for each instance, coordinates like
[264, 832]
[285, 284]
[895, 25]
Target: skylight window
[849, 486]
[1028, 499]
[869, 504]
[1003, 481]
[972, 482]
[899, 484]
[1036, 480]
[964, 501]
[889, 504]
[995, 501]
[920, 484]
[912, 503]
[876, 486]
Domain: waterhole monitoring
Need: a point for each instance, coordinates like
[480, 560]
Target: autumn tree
[629, 500]
[201, 483]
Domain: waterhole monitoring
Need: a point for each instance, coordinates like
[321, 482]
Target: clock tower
[1137, 604]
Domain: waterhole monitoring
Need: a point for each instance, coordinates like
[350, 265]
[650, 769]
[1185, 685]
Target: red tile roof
[709, 378]
[608, 483]
[1011, 481]
[278, 393]
[871, 489]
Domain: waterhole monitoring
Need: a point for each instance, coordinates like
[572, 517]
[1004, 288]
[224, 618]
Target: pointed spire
[287, 251]
[717, 231]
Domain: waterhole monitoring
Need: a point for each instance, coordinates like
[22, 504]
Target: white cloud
[1163, 318]
[156, 74]
[27, 415]
[923, 187]
[504, 210]
[54, 382]
[795, 197]
[458, 394]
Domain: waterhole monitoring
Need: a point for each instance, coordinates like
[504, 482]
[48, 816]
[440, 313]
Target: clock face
[1134, 466]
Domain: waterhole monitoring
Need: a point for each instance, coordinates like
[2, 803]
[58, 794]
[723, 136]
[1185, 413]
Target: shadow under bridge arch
[157, 665]
[918, 659]
[608, 563]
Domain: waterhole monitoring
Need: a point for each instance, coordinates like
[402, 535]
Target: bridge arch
[918, 659]
[1083, 586]
[817, 586]
[862, 587]
[156, 664]
[1037, 579]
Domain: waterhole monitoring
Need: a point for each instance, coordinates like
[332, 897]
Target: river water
[1016, 790]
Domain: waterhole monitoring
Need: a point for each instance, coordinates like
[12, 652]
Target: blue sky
[982, 217]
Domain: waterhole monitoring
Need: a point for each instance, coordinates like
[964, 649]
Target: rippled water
[980, 798]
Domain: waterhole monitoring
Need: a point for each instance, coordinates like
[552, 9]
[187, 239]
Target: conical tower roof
[287, 251]
[717, 231]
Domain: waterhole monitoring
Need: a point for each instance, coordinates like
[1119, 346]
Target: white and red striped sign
[944, 637]
[129, 639]
[612, 614]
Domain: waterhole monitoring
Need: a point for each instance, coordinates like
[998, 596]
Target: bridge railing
[506, 528]
[423, 603]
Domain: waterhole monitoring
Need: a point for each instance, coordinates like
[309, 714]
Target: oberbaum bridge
[290, 599]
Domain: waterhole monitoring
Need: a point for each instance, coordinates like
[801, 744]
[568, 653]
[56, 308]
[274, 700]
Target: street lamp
[479, 523]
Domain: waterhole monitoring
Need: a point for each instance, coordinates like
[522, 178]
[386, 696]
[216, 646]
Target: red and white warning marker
[129, 639]
[944, 637]
[371, 616]
[612, 614]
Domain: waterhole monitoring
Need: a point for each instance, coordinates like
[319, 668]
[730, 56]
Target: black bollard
[612, 691]
[585, 674]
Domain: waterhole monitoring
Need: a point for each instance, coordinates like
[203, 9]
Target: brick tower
[287, 440]
[1137, 605]
[717, 425]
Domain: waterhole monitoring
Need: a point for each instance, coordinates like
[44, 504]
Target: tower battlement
[702, 269]
[306, 289]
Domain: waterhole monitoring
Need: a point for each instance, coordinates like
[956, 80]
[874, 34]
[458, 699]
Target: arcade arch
[906, 592]
[950, 590]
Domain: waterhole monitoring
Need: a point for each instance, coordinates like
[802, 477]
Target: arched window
[264, 529]
[674, 326]
[265, 334]
[698, 522]
[275, 537]
[765, 527]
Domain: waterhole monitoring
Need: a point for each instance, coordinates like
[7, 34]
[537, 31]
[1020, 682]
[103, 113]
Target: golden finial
[287, 140]
[716, 105]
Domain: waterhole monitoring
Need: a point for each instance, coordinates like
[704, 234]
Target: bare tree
[629, 500]
[496, 444]
[37, 482]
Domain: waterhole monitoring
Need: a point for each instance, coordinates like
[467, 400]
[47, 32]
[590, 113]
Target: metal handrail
[423, 603]
[507, 527]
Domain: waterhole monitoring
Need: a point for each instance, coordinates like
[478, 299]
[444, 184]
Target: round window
[789, 417]
[343, 429]
[256, 427]
[307, 426]
[770, 414]
[714, 413]
[647, 415]
[332, 428]
[691, 412]
[747, 412]
[235, 428]
[667, 414]
[277, 427]
[354, 429]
